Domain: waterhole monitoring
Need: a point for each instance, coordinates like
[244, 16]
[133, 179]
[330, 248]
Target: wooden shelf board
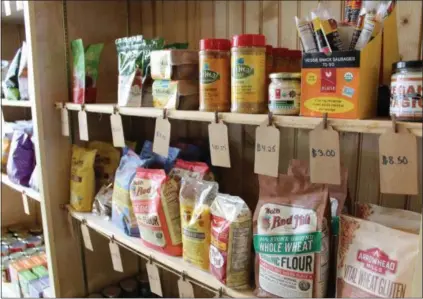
[107, 228]
[10, 103]
[375, 126]
[30, 192]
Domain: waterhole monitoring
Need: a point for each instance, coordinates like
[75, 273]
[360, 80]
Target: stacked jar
[214, 75]
[295, 61]
[280, 60]
[248, 73]
[285, 93]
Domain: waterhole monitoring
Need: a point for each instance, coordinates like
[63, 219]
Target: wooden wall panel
[11, 40]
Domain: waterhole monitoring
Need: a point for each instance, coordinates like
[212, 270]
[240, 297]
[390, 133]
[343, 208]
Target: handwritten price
[160, 135]
[389, 160]
[217, 147]
[322, 153]
[266, 148]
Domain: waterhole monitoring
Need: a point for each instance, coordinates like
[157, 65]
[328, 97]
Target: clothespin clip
[325, 121]
[150, 259]
[220, 292]
[183, 275]
[83, 221]
[112, 239]
[82, 107]
[216, 117]
[115, 109]
[394, 123]
[164, 113]
[270, 118]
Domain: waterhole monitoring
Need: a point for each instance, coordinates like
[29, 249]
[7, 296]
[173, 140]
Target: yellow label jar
[285, 93]
[248, 73]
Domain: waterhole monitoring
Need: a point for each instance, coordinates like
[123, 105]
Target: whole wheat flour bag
[106, 162]
[231, 234]
[407, 221]
[196, 196]
[82, 181]
[374, 260]
[291, 238]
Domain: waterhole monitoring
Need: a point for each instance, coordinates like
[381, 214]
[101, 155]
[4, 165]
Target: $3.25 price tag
[154, 279]
[117, 130]
[185, 289]
[219, 145]
[398, 162]
[115, 255]
[161, 137]
[266, 159]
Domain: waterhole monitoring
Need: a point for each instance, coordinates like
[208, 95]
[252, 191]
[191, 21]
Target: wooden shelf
[108, 229]
[376, 126]
[10, 103]
[30, 192]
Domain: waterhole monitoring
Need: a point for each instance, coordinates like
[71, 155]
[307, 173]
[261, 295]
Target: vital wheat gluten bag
[407, 221]
[291, 238]
[231, 234]
[375, 260]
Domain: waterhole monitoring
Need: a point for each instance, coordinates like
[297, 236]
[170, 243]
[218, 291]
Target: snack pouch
[82, 180]
[11, 83]
[291, 238]
[102, 205]
[196, 196]
[85, 71]
[157, 160]
[23, 73]
[106, 162]
[231, 234]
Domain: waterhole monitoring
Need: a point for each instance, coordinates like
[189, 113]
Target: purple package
[21, 161]
[37, 287]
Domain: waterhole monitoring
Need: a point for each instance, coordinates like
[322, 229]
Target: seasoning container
[295, 61]
[406, 90]
[111, 292]
[248, 69]
[215, 62]
[144, 287]
[280, 60]
[285, 93]
[129, 287]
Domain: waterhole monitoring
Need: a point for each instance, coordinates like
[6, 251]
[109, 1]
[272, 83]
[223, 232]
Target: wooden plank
[20, 189]
[288, 34]
[10, 103]
[193, 24]
[10, 40]
[417, 280]
[147, 18]
[207, 19]
[414, 203]
[135, 17]
[236, 18]
[221, 19]
[409, 20]
[253, 17]
[12, 211]
[270, 19]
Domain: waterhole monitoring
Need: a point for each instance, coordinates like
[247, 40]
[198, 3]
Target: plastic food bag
[157, 160]
[82, 180]
[196, 196]
[23, 73]
[10, 84]
[102, 205]
[85, 71]
[5, 144]
[21, 161]
[106, 162]
[34, 181]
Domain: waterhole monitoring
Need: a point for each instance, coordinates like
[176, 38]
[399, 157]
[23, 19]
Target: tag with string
[83, 125]
[70, 224]
[219, 143]
[185, 288]
[117, 129]
[115, 255]
[25, 203]
[154, 278]
[64, 116]
[86, 236]
[162, 136]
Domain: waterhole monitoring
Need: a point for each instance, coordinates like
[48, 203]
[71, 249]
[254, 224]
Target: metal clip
[82, 107]
[325, 121]
[183, 275]
[164, 113]
[394, 123]
[115, 109]
[269, 118]
[62, 206]
[216, 117]
[150, 259]
[220, 292]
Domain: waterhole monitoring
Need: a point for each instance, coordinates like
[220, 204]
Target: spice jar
[214, 75]
[129, 287]
[284, 93]
[406, 90]
[280, 60]
[111, 292]
[295, 61]
[248, 68]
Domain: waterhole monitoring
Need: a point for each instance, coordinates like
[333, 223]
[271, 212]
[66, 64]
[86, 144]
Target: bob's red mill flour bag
[374, 260]
[291, 238]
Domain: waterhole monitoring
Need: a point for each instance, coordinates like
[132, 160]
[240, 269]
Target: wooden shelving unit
[9, 103]
[21, 189]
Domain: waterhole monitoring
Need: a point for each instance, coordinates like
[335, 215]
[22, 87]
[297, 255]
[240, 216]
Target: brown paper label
[86, 236]
[219, 145]
[117, 130]
[154, 279]
[398, 162]
[83, 125]
[25, 203]
[266, 160]
[161, 137]
[325, 162]
[65, 121]
[185, 289]
[115, 255]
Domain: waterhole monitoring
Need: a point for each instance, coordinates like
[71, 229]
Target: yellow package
[106, 162]
[82, 180]
[196, 196]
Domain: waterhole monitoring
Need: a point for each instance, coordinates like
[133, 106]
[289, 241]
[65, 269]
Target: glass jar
[111, 292]
[214, 75]
[248, 73]
[295, 61]
[285, 93]
[280, 60]
[406, 90]
[129, 287]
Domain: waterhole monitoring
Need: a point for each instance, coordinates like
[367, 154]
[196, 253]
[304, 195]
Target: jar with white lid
[406, 90]
[285, 93]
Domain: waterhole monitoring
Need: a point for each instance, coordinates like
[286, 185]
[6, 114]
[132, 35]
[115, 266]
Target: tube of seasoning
[354, 7]
[371, 26]
[305, 31]
[320, 36]
[330, 30]
[358, 28]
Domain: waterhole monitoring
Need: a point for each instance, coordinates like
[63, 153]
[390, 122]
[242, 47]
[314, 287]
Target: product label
[165, 94]
[170, 204]
[214, 83]
[161, 69]
[285, 99]
[130, 88]
[406, 96]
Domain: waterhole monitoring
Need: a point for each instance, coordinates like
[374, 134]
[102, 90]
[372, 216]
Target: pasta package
[231, 234]
[196, 196]
[82, 180]
[106, 162]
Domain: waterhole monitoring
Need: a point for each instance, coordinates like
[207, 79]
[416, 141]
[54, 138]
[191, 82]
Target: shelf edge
[28, 191]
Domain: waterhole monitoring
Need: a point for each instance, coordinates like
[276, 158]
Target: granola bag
[196, 196]
[231, 234]
[374, 261]
[106, 162]
[291, 238]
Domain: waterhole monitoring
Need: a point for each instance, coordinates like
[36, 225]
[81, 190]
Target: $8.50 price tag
[154, 279]
[116, 259]
[266, 158]
[117, 130]
[398, 162]
[219, 145]
[161, 137]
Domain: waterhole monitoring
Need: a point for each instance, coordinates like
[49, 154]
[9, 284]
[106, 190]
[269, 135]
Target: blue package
[36, 287]
[166, 163]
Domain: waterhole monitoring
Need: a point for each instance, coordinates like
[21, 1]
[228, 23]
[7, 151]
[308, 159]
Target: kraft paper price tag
[185, 289]
[154, 279]
[83, 125]
[117, 130]
[86, 237]
[398, 162]
[161, 137]
[70, 224]
[219, 144]
[325, 162]
[25, 203]
[266, 160]
[116, 259]
[65, 121]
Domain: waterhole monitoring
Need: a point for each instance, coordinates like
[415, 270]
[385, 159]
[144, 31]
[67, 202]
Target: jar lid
[128, 285]
[280, 51]
[295, 54]
[407, 64]
[269, 49]
[285, 76]
[219, 44]
[111, 292]
[249, 40]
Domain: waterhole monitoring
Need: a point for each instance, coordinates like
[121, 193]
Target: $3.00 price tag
[86, 236]
[83, 125]
[398, 162]
[219, 145]
[64, 116]
[116, 259]
[161, 137]
[266, 158]
[325, 162]
[25, 203]
[154, 279]
[185, 289]
[117, 130]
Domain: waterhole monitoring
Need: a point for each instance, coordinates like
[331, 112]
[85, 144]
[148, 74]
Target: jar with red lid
[248, 73]
[295, 61]
[214, 74]
[280, 60]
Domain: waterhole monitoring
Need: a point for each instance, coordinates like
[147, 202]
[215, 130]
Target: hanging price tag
[398, 162]
[325, 162]
[25, 203]
[86, 237]
[117, 130]
[83, 125]
[219, 144]
[161, 137]
[65, 121]
[154, 279]
[70, 224]
[266, 160]
[185, 289]
[115, 254]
